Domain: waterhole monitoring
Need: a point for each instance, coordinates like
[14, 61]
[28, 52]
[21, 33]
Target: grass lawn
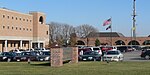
[82, 68]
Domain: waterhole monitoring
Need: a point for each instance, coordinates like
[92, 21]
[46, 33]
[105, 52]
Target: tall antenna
[134, 19]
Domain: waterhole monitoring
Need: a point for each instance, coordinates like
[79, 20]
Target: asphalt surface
[133, 56]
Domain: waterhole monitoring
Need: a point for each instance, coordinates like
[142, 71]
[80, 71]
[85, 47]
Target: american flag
[108, 27]
[107, 22]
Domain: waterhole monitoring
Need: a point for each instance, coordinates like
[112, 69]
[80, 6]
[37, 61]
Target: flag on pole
[109, 27]
[107, 22]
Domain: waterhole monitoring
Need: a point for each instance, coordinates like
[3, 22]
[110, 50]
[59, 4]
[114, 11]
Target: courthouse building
[22, 31]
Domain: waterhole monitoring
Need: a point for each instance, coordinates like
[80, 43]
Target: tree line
[61, 32]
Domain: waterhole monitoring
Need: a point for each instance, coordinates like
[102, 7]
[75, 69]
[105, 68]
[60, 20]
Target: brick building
[112, 38]
[22, 31]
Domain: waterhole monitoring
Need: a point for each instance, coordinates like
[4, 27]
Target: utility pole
[134, 20]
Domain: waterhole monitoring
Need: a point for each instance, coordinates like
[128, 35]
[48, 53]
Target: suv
[90, 56]
[96, 49]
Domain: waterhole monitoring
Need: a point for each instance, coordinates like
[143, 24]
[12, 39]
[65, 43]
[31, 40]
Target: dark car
[90, 56]
[145, 48]
[145, 54]
[7, 56]
[25, 56]
[125, 48]
[136, 47]
[44, 56]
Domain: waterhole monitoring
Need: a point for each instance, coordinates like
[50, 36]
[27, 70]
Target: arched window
[41, 20]
[120, 42]
[80, 42]
[146, 42]
[133, 42]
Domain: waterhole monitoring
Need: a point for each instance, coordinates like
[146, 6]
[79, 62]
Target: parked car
[125, 48]
[7, 56]
[81, 51]
[41, 49]
[44, 56]
[145, 48]
[145, 54]
[96, 49]
[25, 56]
[106, 48]
[90, 56]
[113, 55]
[136, 47]
[17, 50]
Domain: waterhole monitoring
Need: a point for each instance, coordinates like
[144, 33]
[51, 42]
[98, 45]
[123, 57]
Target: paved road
[133, 56]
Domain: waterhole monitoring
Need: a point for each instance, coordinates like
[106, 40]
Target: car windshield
[90, 53]
[112, 53]
[96, 48]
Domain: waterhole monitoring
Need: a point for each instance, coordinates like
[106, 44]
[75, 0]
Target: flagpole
[109, 22]
[111, 31]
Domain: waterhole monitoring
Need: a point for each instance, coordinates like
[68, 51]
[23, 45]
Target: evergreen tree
[97, 42]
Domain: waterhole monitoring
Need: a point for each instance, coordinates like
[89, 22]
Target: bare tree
[60, 32]
[53, 31]
[84, 30]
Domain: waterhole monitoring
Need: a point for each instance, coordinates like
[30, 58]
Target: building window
[30, 29]
[27, 20]
[27, 29]
[23, 19]
[3, 16]
[14, 44]
[30, 20]
[7, 27]
[47, 32]
[12, 27]
[16, 18]
[8, 17]
[12, 17]
[20, 18]
[41, 20]
[23, 28]
[20, 28]
[3, 27]
[16, 28]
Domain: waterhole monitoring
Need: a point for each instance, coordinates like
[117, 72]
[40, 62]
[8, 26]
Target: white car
[113, 55]
[96, 49]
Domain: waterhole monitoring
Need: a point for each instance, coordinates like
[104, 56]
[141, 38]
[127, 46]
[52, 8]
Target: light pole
[134, 20]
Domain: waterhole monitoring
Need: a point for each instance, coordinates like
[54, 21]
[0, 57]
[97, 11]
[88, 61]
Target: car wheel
[147, 57]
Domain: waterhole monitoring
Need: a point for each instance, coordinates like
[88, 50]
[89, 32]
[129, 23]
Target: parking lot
[133, 56]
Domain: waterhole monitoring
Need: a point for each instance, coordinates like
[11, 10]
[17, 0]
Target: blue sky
[92, 12]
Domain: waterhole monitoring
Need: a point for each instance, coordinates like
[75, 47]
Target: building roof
[105, 34]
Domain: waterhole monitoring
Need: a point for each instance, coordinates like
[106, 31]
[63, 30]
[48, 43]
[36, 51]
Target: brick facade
[22, 31]
[126, 40]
